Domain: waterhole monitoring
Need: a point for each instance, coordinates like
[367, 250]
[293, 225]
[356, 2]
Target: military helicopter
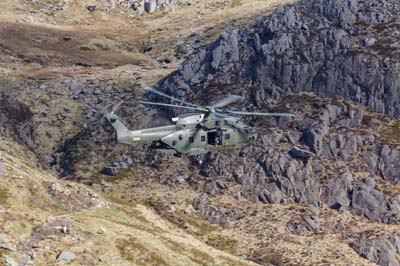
[204, 129]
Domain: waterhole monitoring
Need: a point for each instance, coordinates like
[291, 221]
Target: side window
[180, 137]
[203, 138]
[191, 139]
[227, 136]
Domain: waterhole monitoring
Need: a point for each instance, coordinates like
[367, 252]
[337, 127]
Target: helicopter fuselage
[192, 134]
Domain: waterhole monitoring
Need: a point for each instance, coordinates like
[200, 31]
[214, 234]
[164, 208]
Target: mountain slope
[318, 189]
[43, 216]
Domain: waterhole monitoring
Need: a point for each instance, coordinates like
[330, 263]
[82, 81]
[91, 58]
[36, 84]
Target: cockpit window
[191, 139]
[203, 138]
[180, 137]
[227, 136]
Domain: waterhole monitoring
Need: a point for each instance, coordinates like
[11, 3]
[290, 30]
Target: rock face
[334, 49]
[384, 251]
[274, 174]
[374, 205]
[323, 47]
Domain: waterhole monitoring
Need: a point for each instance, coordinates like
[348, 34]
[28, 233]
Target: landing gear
[198, 159]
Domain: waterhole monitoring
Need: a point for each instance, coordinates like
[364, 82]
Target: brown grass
[391, 133]
[4, 195]
[132, 250]
[236, 3]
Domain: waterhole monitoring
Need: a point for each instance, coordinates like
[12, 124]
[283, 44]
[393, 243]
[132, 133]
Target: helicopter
[201, 130]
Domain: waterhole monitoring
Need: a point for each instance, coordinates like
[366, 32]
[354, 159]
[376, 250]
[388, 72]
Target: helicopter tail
[120, 128]
[116, 123]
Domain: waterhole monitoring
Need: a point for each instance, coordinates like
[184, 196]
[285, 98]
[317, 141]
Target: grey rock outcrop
[314, 46]
[385, 163]
[374, 205]
[338, 190]
[300, 153]
[66, 255]
[384, 250]
[10, 261]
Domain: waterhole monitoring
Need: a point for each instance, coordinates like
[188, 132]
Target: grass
[86, 48]
[223, 243]
[195, 255]
[201, 258]
[134, 251]
[391, 133]
[236, 3]
[202, 226]
[4, 195]
[389, 189]
[120, 216]
[383, 42]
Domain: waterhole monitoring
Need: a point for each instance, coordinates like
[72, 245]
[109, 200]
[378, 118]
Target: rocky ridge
[346, 49]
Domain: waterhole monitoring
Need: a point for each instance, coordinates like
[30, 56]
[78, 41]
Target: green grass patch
[134, 251]
[383, 42]
[4, 195]
[129, 218]
[199, 223]
[223, 243]
[86, 48]
[236, 3]
[201, 258]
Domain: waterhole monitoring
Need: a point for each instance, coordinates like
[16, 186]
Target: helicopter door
[214, 138]
[229, 138]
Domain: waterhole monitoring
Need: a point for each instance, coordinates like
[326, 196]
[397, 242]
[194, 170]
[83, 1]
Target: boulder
[66, 256]
[300, 153]
[383, 251]
[375, 205]
[10, 261]
[338, 191]
[110, 171]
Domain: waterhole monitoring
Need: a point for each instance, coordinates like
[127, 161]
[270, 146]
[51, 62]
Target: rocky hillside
[140, 6]
[45, 221]
[318, 189]
[337, 49]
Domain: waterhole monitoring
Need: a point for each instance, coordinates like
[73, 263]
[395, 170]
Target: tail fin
[122, 131]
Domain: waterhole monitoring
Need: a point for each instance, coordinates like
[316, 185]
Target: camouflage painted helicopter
[205, 129]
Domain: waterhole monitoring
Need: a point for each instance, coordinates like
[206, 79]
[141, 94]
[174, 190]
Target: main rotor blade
[174, 105]
[151, 89]
[261, 114]
[226, 101]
